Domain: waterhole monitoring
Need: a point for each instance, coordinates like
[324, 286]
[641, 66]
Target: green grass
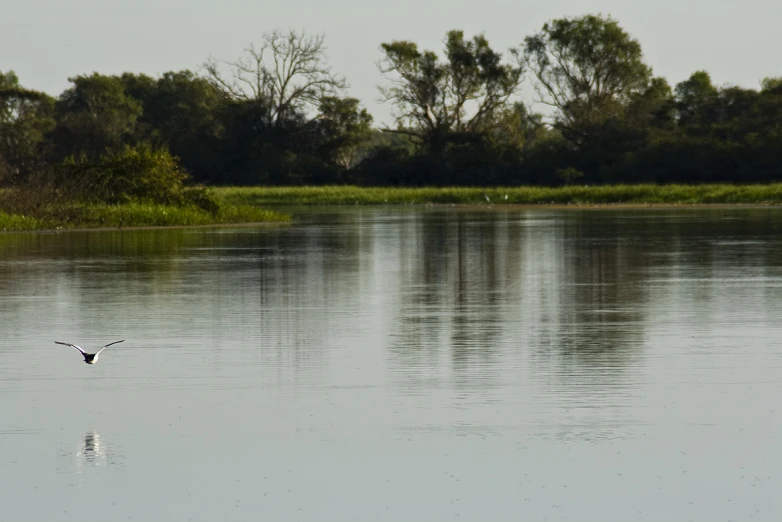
[133, 215]
[242, 204]
[16, 222]
[571, 195]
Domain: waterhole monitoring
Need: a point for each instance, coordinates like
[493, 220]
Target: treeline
[279, 115]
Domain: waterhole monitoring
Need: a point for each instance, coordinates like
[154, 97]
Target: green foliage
[279, 116]
[673, 194]
[183, 112]
[26, 117]
[589, 69]
[94, 116]
[696, 102]
[462, 94]
[569, 175]
[156, 215]
[140, 173]
[201, 198]
[522, 130]
[451, 108]
[81, 215]
[344, 127]
[772, 85]
[20, 223]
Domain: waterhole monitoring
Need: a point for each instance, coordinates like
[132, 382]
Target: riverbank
[572, 195]
[133, 215]
[241, 205]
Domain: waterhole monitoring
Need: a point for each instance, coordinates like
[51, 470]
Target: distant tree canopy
[462, 94]
[279, 114]
[26, 118]
[285, 117]
[181, 111]
[589, 69]
[94, 116]
[448, 108]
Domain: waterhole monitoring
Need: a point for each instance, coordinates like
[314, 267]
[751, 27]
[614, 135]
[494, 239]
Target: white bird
[89, 358]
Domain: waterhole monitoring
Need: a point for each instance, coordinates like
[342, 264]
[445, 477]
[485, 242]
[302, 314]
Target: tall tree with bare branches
[287, 73]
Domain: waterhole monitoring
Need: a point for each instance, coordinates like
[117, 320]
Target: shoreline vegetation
[78, 216]
[133, 187]
[244, 205]
[710, 194]
[131, 150]
[279, 115]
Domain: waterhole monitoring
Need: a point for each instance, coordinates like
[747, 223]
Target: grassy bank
[242, 204]
[71, 216]
[572, 195]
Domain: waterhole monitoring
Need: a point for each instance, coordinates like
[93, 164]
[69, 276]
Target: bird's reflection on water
[91, 452]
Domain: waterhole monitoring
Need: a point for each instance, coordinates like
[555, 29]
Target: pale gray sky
[46, 41]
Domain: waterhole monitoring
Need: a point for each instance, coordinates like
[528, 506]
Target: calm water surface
[398, 364]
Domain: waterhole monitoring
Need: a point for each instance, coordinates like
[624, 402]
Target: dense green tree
[771, 85]
[257, 151]
[696, 103]
[768, 111]
[143, 89]
[733, 118]
[521, 129]
[26, 116]
[589, 69]
[182, 111]
[654, 109]
[94, 116]
[343, 127]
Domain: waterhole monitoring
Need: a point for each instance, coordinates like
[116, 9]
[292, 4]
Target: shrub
[201, 198]
[569, 175]
[140, 173]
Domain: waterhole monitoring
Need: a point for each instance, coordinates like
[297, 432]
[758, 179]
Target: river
[390, 364]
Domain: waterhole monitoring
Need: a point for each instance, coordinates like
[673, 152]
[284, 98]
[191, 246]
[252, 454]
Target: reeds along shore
[568, 195]
[80, 216]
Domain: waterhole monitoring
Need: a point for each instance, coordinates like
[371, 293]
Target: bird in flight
[89, 358]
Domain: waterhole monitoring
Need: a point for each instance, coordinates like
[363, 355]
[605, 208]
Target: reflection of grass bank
[573, 195]
[75, 215]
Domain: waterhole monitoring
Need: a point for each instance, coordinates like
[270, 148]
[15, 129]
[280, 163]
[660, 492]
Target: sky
[47, 41]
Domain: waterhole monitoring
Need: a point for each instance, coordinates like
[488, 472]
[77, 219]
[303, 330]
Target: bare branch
[287, 72]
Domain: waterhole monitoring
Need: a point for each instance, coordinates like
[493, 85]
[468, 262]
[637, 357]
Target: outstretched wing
[115, 342]
[72, 346]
